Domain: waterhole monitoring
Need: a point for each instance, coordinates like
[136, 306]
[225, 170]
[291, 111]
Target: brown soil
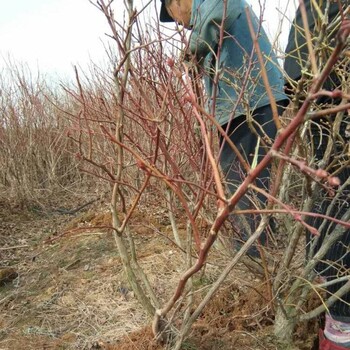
[71, 292]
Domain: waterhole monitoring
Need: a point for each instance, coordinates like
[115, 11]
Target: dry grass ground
[72, 293]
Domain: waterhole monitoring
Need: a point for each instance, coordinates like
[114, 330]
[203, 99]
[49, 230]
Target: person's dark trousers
[336, 262]
[246, 136]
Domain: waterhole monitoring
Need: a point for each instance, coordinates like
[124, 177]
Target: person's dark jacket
[296, 50]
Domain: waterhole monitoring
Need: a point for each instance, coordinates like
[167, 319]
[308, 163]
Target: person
[239, 98]
[235, 99]
[336, 334]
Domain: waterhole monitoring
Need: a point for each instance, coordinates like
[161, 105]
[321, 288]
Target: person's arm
[207, 19]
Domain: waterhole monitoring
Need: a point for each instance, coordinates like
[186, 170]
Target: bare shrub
[36, 156]
[147, 131]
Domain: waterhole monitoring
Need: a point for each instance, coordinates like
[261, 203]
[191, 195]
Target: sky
[54, 35]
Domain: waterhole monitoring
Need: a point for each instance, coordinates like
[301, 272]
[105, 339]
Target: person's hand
[190, 62]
